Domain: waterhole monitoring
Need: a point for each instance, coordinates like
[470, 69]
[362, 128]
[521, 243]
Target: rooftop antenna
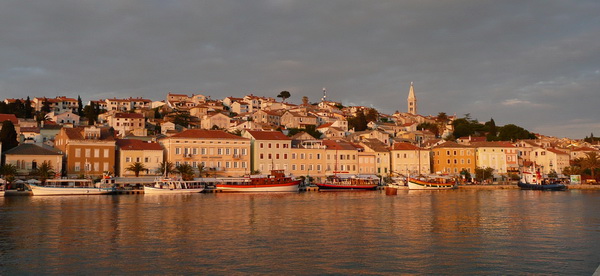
[324, 95]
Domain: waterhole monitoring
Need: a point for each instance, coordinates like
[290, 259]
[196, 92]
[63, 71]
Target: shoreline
[515, 187]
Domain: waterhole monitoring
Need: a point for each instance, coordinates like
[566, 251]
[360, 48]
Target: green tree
[359, 122]
[202, 170]
[79, 106]
[8, 136]
[434, 128]
[44, 171]
[372, 115]
[186, 171]
[91, 113]
[304, 100]
[591, 161]
[166, 168]
[483, 173]
[512, 132]
[45, 105]
[28, 108]
[9, 171]
[284, 95]
[136, 168]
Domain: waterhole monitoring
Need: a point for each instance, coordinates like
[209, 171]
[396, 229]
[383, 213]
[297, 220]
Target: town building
[27, 157]
[129, 151]
[408, 159]
[218, 152]
[452, 158]
[270, 150]
[89, 151]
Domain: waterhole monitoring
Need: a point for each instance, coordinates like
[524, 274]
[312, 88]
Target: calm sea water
[415, 232]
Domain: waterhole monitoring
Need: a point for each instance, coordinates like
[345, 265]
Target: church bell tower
[412, 100]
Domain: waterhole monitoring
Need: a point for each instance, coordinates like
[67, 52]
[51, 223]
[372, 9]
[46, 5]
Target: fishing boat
[431, 183]
[275, 182]
[530, 181]
[55, 187]
[174, 186]
[353, 182]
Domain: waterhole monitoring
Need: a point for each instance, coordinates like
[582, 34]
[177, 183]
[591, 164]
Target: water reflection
[433, 232]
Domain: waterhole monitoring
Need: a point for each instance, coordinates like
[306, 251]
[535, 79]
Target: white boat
[431, 183]
[174, 186]
[276, 182]
[397, 183]
[54, 187]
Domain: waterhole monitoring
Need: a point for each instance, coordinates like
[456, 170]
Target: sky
[535, 64]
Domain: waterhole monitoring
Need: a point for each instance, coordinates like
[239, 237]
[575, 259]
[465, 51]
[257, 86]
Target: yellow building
[308, 158]
[341, 157]
[451, 158]
[270, 150]
[408, 159]
[221, 153]
[90, 151]
[27, 157]
[129, 151]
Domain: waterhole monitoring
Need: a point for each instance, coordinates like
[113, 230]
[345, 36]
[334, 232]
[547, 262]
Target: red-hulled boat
[276, 182]
[349, 183]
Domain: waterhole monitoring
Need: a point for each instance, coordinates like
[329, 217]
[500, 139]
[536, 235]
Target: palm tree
[202, 171]
[591, 161]
[44, 171]
[186, 171]
[136, 168]
[9, 171]
[165, 168]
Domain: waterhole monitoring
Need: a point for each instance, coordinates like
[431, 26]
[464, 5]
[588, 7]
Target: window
[276, 146]
[243, 151]
[293, 167]
[277, 156]
[270, 156]
[177, 150]
[227, 151]
[96, 152]
[243, 164]
[318, 156]
[262, 156]
[293, 156]
[77, 152]
[88, 152]
[269, 145]
[77, 167]
[105, 152]
[127, 159]
[105, 166]
[285, 156]
[262, 145]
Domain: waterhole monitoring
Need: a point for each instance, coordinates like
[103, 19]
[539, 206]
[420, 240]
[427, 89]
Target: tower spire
[412, 100]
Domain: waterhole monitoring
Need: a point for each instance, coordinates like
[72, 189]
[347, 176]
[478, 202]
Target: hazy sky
[532, 63]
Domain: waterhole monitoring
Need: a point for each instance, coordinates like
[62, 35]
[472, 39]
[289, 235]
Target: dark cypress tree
[46, 106]
[8, 136]
[79, 106]
[28, 108]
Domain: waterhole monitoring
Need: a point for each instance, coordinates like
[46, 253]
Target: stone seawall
[502, 187]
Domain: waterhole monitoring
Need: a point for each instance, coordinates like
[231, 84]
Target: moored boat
[174, 186]
[57, 187]
[275, 182]
[431, 183]
[529, 181]
[349, 183]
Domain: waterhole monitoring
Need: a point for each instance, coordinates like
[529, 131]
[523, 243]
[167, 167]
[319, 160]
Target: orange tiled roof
[404, 146]
[129, 115]
[134, 144]
[9, 117]
[268, 135]
[207, 134]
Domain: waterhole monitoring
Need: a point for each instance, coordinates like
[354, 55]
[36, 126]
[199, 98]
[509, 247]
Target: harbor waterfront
[461, 231]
